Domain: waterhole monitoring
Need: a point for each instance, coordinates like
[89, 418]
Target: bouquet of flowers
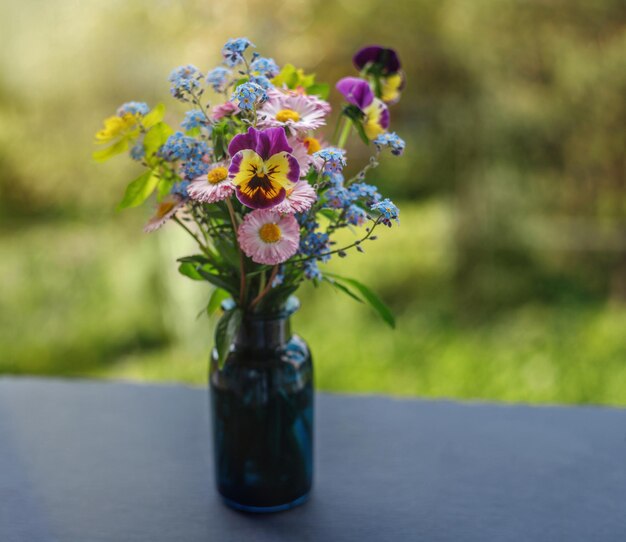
[249, 177]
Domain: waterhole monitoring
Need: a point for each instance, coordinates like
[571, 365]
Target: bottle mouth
[277, 313]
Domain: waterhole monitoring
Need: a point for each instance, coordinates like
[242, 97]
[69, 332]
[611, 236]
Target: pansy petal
[356, 91]
[283, 168]
[265, 143]
[386, 58]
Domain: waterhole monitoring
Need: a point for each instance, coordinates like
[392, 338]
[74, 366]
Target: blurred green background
[507, 273]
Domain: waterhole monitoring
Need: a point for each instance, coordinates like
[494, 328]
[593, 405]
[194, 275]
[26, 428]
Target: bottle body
[262, 414]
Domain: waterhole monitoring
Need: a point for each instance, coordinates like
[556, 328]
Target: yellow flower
[376, 119]
[115, 127]
[391, 87]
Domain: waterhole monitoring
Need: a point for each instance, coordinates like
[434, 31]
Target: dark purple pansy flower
[356, 91]
[387, 59]
[264, 142]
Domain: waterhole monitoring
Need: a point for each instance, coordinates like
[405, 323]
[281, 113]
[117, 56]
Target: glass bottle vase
[262, 414]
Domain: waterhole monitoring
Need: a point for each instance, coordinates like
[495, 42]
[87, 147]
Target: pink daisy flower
[298, 200]
[226, 109]
[164, 211]
[267, 237]
[293, 110]
[212, 187]
[303, 151]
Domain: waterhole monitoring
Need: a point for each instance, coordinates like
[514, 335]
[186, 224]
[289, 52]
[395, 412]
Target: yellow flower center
[164, 208]
[287, 114]
[217, 175]
[269, 233]
[312, 145]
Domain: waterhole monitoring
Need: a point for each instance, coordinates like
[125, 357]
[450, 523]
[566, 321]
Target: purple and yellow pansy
[382, 65]
[358, 93]
[262, 168]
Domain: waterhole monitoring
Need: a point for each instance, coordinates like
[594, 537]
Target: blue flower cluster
[311, 270]
[355, 215]
[217, 78]
[178, 147]
[316, 246]
[184, 80]
[195, 119]
[233, 51]
[333, 179]
[188, 149]
[367, 192]
[194, 167]
[133, 108]
[137, 152]
[334, 159]
[248, 95]
[387, 210]
[338, 197]
[180, 189]
[262, 81]
[265, 66]
[392, 140]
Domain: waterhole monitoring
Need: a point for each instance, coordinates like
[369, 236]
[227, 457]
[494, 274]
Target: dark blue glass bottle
[262, 411]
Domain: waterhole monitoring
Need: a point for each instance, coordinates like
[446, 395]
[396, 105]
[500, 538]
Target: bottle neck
[258, 333]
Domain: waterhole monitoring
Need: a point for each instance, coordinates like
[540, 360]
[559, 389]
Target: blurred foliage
[508, 271]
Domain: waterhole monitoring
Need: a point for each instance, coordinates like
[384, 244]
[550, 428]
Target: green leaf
[225, 332]
[370, 297]
[156, 136]
[218, 135]
[193, 132]
[215, 301]
[217, 281]
[189, 270]
[164, 187]
[319, 89]
[195, 259]
[154, 117]
[139, 190]
[109, 152]
[329, 213]
[287, 76]
[361, 131]
[343, 289]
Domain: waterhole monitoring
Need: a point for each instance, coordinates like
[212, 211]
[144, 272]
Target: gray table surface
[88, 461]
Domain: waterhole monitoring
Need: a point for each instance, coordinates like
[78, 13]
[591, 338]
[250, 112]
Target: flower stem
[345, 132]
[242, 269]
[342, 249]
[267, 288]
[182, 225]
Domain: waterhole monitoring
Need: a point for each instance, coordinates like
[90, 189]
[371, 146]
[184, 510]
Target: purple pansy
[386, 59]
[262, 168]
[356, 91]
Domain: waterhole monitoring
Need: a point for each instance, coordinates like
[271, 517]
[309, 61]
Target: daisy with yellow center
[285, 115]
[267, 237]
[296, 111]
[312, 145]
[212, 187]
[164, 211]
[303, 150]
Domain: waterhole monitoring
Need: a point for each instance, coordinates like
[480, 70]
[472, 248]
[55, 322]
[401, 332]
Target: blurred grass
[94, 300]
